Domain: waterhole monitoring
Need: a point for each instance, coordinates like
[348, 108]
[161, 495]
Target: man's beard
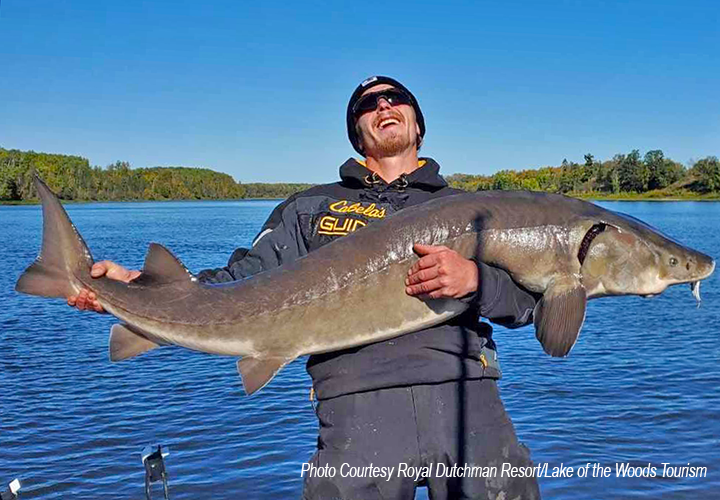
[392, 145]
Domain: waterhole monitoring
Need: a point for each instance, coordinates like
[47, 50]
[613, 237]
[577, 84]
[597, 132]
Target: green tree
[708, 171]
[661, 171]
[506, 180]
[633, 173]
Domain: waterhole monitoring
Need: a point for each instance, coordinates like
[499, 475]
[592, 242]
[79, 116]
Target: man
[426, 399]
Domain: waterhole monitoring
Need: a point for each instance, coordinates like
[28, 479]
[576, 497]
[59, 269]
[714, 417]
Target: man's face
[388, 130]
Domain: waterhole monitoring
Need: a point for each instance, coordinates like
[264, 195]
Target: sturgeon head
[630, 257]
[618, 255]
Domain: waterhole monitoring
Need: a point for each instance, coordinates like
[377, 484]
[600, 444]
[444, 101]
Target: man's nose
[383, 103]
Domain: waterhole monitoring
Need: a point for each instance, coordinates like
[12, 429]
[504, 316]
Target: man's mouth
[387, 122]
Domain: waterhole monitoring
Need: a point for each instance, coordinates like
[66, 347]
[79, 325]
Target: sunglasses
[369, 102]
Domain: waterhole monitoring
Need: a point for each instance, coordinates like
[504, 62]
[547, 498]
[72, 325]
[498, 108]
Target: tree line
[651, 174]
[73, 178]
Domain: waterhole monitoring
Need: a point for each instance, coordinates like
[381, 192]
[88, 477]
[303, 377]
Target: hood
[427, 176]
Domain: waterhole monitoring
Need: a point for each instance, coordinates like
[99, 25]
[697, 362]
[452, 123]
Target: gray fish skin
[352, 292]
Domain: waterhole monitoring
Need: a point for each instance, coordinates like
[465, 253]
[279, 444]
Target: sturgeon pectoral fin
[257, 372]
[125, 343]
[559, 316]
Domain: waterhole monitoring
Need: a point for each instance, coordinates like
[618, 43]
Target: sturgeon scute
[565, 250]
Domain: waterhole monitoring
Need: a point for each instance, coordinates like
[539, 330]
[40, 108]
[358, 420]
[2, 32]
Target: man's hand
[87, 300]
[441, 273]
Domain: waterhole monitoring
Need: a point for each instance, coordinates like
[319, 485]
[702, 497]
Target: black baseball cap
[367, 84]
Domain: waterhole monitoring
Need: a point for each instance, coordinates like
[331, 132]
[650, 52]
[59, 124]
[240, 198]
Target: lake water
[642, 386]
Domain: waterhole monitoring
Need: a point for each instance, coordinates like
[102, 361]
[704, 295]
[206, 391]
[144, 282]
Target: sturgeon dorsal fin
[559, 316]
[161, 266]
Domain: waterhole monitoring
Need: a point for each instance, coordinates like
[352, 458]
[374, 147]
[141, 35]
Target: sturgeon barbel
[566, 250]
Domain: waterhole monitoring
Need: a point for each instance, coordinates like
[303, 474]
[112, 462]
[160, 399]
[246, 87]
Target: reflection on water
[641, 386]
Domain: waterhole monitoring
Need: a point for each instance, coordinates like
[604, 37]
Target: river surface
[642, 386]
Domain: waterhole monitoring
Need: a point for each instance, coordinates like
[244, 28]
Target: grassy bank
[649, 196]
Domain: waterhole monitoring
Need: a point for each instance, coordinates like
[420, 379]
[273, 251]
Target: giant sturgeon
[564, 249]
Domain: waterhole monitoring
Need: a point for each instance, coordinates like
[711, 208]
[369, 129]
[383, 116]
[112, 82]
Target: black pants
[454, 423]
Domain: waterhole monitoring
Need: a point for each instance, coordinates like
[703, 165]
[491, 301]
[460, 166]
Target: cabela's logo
[335, 226]
[341, 226]
[343, 207]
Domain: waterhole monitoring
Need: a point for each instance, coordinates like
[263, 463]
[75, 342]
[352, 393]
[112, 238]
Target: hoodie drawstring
[379, 192]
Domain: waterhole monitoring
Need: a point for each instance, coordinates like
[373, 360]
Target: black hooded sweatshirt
[461, 348]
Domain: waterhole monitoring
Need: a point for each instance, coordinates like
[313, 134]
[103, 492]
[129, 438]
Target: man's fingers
[424, 263]
[113, 271]
[441, 272]
[80, 302]
[86, 300]
[424, 287]
[439, 294]
[431, 255]
[429, 249]
[118, 273]
[422, 275]
[110, 269]
[100, 268]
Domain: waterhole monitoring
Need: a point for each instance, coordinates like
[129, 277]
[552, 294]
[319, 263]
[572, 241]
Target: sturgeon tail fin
[64, 254]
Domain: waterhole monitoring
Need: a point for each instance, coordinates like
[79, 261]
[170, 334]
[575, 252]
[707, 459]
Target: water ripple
[641, 386]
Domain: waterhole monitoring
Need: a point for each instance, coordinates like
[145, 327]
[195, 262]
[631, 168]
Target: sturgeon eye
[673, 261]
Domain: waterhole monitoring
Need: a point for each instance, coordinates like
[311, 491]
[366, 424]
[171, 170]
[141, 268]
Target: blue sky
[259, 89]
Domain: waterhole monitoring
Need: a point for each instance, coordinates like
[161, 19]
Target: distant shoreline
[595, 197]
[711, 197]
[624, 177]
[83, 202]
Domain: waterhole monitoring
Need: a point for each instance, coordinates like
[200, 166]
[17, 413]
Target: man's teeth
[388, 121]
